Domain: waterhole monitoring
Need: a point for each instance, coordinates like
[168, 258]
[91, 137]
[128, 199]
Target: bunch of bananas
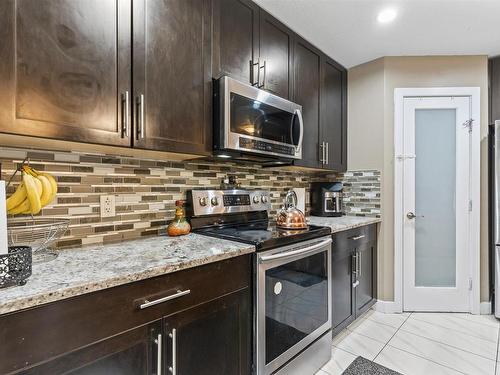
[35, 191]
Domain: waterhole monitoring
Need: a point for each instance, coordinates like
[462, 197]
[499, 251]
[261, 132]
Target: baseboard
[391, 307]
[485, 308]
[387, 307]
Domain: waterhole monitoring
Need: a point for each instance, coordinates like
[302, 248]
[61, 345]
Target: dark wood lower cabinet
[130, 353]
[344, 309]
[106, 332]
[354, 270]
[366, 289]
[212, 338]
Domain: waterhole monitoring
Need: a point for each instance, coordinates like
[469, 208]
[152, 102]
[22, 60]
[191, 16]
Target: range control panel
[210, 202]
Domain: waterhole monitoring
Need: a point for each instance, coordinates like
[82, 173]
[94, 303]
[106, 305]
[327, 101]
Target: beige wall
[373, 83]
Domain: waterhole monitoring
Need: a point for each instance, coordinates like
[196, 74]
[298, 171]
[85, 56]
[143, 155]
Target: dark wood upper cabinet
[334, 115]
[172, 75]
[68, 69]
[276, 56]
[235, 40]
[307, 93]
[64, 68]
[494, 94]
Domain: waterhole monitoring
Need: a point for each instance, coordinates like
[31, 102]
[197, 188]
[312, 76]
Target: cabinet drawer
[50, 330]
[355, 237]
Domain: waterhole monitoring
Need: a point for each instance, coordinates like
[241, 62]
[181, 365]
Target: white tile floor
[420, 343]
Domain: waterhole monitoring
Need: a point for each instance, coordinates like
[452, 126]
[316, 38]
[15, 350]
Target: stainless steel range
[292, 278]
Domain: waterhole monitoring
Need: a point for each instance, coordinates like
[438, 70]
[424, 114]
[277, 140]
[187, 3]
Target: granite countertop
[88, 269]
[338, 224]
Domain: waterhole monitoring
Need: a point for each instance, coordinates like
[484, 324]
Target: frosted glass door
[436, 197]
[435, 181]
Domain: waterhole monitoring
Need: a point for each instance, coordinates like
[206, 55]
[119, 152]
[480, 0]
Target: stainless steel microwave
[251, 121]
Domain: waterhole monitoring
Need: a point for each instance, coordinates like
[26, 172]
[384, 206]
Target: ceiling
[348, 30]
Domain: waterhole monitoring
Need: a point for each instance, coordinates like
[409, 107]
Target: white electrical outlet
[107, 205]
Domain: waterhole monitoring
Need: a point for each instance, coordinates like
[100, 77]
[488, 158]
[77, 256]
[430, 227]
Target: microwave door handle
[298, 112]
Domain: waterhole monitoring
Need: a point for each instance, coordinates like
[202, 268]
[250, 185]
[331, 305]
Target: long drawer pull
[179, 293]
[355, 238]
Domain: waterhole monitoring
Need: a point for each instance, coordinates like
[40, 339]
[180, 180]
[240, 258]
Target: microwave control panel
[254, 144]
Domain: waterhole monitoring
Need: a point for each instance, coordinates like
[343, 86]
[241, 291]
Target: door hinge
[470, 205]
[470, 283]
[468, 124]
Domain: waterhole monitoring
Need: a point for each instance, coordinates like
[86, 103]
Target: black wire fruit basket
[15, 266]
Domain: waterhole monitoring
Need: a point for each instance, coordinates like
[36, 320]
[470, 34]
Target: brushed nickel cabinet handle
[263, 75]
[322, 146]
[179, 293]
[360, 263]
[252, 72]
[158, 342]
[327, 152]
[125, 114]
[355, 238]
[173, 336]
[140, 119]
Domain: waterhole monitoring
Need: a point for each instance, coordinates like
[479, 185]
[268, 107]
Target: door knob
[411, 215]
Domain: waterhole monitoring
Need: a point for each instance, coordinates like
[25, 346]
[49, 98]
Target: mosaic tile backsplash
[146, 190]
[362, 193]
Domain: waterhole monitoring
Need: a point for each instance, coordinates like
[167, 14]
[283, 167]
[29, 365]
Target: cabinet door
[343, 309]
[236, 40]
[276, 56]
[334, 115]
[172, 75]
[134, 352]
[366, 289]
[494, 72]
[307, 93]
[212, 338]
[65, 66]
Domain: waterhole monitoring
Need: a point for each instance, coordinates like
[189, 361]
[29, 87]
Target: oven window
[256, 119]
[296, 302]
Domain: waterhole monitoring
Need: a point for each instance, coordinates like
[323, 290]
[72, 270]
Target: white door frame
[474, 223]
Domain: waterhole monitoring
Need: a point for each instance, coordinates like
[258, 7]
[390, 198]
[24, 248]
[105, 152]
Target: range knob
[264, 199]
[255, 199]
[214, 201]
[203, 201]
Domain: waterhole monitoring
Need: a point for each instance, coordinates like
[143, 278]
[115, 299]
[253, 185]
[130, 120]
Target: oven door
[258, 122]
[293, 301]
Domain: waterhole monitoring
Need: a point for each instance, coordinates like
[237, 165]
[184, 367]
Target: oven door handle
[292, 253]
[298, 113]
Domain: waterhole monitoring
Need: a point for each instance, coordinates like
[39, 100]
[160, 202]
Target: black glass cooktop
[265, 235]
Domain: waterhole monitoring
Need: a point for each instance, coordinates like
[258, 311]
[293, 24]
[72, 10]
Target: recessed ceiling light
[386, 16]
